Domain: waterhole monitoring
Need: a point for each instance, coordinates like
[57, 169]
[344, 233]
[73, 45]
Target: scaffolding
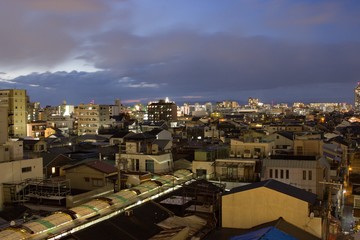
[55, 189]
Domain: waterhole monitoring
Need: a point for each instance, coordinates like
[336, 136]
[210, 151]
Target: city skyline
[277, 51]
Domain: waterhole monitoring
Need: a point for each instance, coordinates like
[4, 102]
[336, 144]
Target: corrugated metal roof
[282, 163]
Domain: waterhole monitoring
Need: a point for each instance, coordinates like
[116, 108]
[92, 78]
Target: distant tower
[357, 97]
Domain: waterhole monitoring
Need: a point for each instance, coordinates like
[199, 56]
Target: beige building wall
[3, 124]
[4, 153]
[86, 178]
[308, 147]
[17, 171]
[88, 119]
[163, 163]
[250, 149]
[16, 150]
[16, 102]
[200, 166]
[260, 205]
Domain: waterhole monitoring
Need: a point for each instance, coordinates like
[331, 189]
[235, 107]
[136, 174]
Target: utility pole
[120, 161]
[327, 218]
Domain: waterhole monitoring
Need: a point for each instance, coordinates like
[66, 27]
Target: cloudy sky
[189, 51]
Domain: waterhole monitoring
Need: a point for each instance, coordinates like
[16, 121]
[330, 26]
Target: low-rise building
[255, 149]
[258, 203]
[90, 174]
[304, 172]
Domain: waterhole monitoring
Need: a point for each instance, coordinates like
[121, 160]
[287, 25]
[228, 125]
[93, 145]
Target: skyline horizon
[240, 101]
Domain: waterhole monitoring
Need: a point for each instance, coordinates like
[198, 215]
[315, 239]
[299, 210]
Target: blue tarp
[268, 233]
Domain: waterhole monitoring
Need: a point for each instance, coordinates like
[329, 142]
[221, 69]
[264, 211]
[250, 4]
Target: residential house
[36, 129]
[118, 138]
[148, 126]
[213, 163]
[254, 149]
[160, 134]
[90, 174]
[36, 146]
[283, 143]
[144, 153]
[308, 143]
[261, 202]
[272, 128]
[54, 163]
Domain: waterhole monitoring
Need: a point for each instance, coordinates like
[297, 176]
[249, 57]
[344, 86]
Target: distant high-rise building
[253, 102]
[357, 97]
[88, 121]
[34, 110]
[16, 102]
[162, 110]
[90, 117]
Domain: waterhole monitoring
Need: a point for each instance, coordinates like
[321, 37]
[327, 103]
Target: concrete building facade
[16, 102]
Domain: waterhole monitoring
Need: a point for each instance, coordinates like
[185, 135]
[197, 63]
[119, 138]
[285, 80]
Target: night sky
[187, 50]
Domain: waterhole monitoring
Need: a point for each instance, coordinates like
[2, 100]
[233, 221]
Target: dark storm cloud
[145, 50]
[81, 87]
[210, 63]
[215, 66]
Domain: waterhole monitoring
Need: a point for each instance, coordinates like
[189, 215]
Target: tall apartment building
[357, 97]
[162, 111]
[90, 117]
[87, 118]
[16, 102]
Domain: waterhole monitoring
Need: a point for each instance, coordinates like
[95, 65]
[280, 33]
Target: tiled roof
[121, 134]
[140, 136]
[102, 166]
[279, 187]
[288, 135]
[155, 131]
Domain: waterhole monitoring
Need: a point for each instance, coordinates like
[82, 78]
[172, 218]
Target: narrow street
[347, 218]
